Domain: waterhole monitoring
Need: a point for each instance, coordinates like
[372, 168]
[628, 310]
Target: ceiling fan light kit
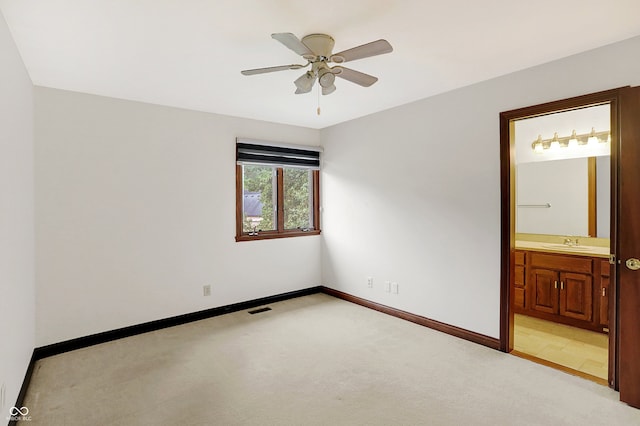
[305, 82]
[317, 50]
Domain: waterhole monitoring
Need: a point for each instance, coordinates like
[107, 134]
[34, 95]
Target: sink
[565, 247]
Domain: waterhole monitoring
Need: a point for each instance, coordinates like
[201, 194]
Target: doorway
[562, 227]
[624, 283]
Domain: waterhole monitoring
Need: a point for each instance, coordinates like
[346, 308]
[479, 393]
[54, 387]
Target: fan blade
[328, 90]
[293, 43]
[357, 77]
[272, 69]
[366, 50]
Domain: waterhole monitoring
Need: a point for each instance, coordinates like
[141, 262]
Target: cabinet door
[605, 271]
[544, 284]
[576, 296]
[604, 301]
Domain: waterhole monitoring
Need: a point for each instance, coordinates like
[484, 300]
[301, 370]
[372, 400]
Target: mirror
[563, 188]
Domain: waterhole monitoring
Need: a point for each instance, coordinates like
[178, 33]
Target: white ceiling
[189, 53]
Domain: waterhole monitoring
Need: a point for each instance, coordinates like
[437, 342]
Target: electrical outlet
[387, 286]
[370, 282]
[206, 290]
[394, 288]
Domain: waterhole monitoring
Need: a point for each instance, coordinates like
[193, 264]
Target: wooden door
[576, 296]
[544, 284]
[628, 246]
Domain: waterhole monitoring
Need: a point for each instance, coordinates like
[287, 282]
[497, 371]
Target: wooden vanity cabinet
[560, 288]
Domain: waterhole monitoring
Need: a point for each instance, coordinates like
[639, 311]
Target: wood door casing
[619, 117]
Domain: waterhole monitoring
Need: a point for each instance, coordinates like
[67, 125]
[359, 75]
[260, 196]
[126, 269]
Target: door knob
[633, 264]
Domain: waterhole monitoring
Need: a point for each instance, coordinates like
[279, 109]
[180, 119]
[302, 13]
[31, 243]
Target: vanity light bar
[593, 137]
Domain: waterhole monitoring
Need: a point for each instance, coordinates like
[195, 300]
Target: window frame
[279, 232]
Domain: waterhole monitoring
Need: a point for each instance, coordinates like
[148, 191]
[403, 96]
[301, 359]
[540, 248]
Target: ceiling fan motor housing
[320, 44]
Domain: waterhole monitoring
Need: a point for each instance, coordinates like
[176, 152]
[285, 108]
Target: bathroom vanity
[563, 284]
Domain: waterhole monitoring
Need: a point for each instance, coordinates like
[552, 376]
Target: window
[277, 191]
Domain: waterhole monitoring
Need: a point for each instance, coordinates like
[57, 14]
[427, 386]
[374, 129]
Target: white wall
[17, 313]
[135, 212]
[412, 194]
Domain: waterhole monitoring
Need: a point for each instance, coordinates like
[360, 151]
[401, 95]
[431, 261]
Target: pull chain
[318, 110]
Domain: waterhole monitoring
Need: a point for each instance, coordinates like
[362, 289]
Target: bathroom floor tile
[578, 349]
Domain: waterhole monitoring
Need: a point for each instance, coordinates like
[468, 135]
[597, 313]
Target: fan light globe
[326, 78]
[304, 83]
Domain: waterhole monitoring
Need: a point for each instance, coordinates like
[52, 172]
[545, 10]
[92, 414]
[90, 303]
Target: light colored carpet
[314, 360]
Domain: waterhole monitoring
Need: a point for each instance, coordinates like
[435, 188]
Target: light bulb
[573, 140]
[555, 143]
[537, 145]
[592, 140]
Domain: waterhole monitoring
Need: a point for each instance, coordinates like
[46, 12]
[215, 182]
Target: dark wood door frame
[507, 211]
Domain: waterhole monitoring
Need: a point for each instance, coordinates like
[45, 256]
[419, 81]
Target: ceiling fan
[316, 50]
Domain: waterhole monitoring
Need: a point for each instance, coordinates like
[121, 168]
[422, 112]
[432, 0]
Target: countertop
[582, 250]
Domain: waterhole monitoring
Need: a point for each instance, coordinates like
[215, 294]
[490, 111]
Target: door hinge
[612, 259]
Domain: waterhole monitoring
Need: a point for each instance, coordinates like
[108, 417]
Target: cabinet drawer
[520, 256]
[520, 275]
[562, 263]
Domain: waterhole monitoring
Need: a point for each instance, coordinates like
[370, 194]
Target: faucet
[570, 241]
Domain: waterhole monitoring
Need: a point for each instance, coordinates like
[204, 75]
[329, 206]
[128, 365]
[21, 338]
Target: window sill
[269, 235]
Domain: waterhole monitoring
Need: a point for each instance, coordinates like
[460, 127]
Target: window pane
[258, 204]
[298, 198]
